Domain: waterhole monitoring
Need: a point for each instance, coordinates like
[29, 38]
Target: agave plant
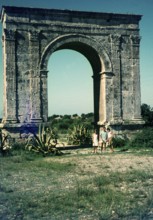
[5, 146]
[44, 142]
[79, 135]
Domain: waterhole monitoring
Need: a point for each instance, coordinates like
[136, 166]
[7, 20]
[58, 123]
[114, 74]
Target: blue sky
[71, 82]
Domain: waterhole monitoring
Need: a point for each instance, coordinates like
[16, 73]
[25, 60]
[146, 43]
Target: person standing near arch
[103, 138]
[95, 141]
[110, 139]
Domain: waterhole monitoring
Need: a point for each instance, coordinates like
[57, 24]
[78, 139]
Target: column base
[9, 121]
[20, 130]
[36, 120]
[117, 121]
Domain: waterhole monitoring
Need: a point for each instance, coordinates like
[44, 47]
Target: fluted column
[117, 80]
[135, 42]
[35, 77]
[102, 99]
[10, 87]
[96, 95]
[106, 97]
[44, 94]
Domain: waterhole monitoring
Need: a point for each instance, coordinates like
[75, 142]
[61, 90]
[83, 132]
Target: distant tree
[83, 116]
[55, 116]
[147, 114]
[89, 115]
[64, 126]
[66, 116]
[75, 115]
[50, 118]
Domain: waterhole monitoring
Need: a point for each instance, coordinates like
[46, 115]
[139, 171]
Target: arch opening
[70, 83]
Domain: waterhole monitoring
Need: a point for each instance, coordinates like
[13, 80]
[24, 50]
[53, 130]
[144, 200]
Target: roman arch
[109, 41]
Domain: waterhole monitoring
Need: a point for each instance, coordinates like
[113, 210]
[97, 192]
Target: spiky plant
[44, 142]
[79, 135]
[5, 146]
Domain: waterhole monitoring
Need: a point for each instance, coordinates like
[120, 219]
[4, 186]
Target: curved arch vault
[109, 41]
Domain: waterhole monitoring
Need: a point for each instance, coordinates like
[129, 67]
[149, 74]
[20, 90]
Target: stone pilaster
[44, 94]
[10, 87]
[109, 94]
[117, 70]
[96, 88]
[106, 97]
[34, 77]
[135, 42]
[102, 100]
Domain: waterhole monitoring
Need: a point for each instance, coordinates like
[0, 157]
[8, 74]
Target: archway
[98, 60]
[110, 42]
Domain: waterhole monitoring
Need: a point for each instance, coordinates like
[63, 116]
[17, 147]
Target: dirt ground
[85, 166]
[116, 161]
[90, 165]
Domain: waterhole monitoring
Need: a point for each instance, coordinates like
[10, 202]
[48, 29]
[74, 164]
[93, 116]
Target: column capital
[106, 74]
[34, 36]
[116, 39]
[34, 73]
[44, 73]
[9, 35]
[135, 40]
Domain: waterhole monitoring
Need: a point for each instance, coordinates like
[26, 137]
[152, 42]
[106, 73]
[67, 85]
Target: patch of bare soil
[92, 163]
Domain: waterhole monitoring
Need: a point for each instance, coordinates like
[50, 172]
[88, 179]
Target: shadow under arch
[94, 53]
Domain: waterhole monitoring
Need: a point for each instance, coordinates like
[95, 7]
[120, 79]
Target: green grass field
[78, 185]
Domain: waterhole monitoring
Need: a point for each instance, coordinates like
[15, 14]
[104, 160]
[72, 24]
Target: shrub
[147, 114]
[66, 122]
[5, 143]
[143, 139]
[120, 142]
[79, 135]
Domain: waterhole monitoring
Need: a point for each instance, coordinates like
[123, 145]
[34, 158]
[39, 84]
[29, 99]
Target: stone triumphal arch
[109, 41]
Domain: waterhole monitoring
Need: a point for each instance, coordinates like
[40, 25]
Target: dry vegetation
[77, 185]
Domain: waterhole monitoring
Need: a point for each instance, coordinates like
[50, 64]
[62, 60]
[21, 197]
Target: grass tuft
[33, 187]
